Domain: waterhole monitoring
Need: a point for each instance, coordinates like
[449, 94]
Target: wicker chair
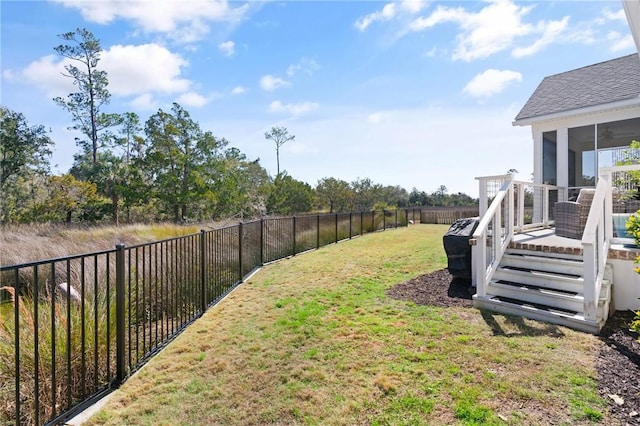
[571, 216]
[631, 206]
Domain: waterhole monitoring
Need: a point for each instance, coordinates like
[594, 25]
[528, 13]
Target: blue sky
[410, 93]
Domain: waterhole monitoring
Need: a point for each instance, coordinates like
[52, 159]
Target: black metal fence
[76, 327]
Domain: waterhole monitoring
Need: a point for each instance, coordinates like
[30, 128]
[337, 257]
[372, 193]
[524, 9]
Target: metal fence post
[384, 220]
[16, 342]
[336, 227]
[261, 241]
[120, 316]
[203, 275]
[350, 225]
[294, 235]
[240, 235]
[361, 217]
[318, 231]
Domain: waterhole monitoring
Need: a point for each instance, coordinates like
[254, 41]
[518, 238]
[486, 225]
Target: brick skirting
[614, 253]
[545, 248]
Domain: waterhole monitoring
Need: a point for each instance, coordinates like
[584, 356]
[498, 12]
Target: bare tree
[280, 135]
[84, 105]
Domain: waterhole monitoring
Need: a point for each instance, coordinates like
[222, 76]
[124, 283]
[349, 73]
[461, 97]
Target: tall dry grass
[60, 337]
[27, 243]
[65, 340]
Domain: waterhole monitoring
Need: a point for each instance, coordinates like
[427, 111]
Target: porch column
[562, 162]
[537, 173]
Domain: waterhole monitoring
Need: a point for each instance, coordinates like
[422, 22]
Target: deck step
[546, 296]
[542, 263]
[546, 285]
[538, 278]
[545, 255]
[566, 318]
[537, 295]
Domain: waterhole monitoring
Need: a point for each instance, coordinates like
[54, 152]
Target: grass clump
[316, 340]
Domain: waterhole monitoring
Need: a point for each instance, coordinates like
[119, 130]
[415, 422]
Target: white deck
[545, 237]
[546, 240]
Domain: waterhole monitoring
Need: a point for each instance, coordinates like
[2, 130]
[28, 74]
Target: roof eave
[632, 10]
[594, 109]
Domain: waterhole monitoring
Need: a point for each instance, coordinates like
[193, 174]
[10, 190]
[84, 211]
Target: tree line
[167, 168]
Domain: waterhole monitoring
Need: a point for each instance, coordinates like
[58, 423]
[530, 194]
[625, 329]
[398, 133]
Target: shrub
[633, 229]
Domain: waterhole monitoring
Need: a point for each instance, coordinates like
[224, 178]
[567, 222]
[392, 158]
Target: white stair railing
[515, 207]
[598, 232]
[492, 236]
[596, 240]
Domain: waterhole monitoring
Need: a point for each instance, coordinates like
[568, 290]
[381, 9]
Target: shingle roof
[598, 84]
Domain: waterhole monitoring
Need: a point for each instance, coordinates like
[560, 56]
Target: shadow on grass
[519, 325]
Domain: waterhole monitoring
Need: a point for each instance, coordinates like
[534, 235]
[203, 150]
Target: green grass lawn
[315, 340]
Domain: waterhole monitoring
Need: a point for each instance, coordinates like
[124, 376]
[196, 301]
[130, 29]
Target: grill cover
[456, 245]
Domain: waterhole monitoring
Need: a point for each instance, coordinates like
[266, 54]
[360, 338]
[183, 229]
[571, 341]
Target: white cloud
[46, 73]
[481, 36]
[308, 66]
[239, 90]
[551, 32]
[439, 16]
[387, 13]
[131, 70]
[145, 102]
[145, 68]
[192, 99]
[499, 25]
[227, 48]
[603, 29]
[491, 82]
[293, 109]
[620, 42]
[618, 15]
[413, 6]
[186, 21]
[271, 83]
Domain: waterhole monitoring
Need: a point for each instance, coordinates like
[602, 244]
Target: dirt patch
[438, 288]
[618, 360]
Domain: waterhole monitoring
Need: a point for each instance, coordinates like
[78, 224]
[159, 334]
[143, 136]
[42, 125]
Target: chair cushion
[586, 196]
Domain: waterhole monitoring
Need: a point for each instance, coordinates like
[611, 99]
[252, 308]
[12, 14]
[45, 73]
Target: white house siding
[626, 284]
